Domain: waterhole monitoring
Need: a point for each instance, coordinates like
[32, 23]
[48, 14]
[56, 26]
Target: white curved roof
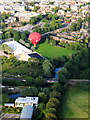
[18, 48]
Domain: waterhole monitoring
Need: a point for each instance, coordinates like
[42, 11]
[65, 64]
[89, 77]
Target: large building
[18, 48]
[23, 101]
[19, 51]
[27, 112]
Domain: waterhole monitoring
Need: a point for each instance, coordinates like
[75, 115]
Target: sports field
[50, 51]
[76, 102]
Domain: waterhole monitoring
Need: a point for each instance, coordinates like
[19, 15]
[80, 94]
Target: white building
[23, 101]
[18, 48]
[75, 7]
[26, 15]
[27, 112]
[62, 12]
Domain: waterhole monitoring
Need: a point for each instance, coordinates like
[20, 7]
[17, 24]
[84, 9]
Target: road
[49, 80]
[52, 80]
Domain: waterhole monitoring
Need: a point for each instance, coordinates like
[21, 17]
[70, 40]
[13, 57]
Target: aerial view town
[45, 59]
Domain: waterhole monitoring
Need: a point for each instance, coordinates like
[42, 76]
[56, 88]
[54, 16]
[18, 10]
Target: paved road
[49, 80]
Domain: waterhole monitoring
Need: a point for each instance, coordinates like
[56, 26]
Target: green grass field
[75, 102]
[50, 51]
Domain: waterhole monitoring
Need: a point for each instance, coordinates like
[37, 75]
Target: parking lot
[10, 115]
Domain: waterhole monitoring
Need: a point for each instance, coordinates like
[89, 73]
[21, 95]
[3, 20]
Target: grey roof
[27, 112]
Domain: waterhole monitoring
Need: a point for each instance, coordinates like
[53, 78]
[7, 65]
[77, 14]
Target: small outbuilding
[9, 104]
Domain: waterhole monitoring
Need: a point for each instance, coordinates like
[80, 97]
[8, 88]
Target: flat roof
[27, 100]
[27, 112]
[9, 104]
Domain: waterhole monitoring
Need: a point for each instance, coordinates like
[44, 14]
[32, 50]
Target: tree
[23, 36]
[56, 9]
[7, 49]
[7, 35]
[36, 8]
[50, 15]
[3, 25]
[53, 103]
[16, 35]
[53, 42]
[29, 81]
[46, 24]
[44, 20]
[32, 91]
[39, 81]
[33, 61]
[55, 94]
[43, 97]
[50, 116]
[87, 18]
[55, 17]
[40, 16]
[46, 90]
[57, 87]
[50, 110]
[41, 107]
[73, 27]
[47, 41]
[61, 78]
[33, 48]
[33, 20]
[64, 72]
[5, 98]
[48, 68]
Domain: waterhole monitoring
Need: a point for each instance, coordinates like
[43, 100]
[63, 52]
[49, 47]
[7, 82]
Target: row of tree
[73, 46]
[53, 25]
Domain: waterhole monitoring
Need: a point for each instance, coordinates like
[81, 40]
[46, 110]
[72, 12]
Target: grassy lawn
[50, 51]
[75, 102]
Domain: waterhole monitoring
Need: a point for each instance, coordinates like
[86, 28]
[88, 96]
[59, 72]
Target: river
[56, 72]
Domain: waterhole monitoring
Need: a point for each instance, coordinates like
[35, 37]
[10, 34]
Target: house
[23, 101]
[13, 24]
[75, 7]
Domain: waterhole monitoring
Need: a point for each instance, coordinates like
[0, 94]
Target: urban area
[45, 59]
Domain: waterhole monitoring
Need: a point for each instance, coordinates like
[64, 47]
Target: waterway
[56, 72]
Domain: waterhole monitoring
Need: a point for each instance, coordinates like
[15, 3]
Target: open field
[76, 102]
[50, 51]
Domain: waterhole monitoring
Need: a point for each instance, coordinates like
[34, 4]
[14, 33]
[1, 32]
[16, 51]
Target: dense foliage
[32, 71]
[77, 67]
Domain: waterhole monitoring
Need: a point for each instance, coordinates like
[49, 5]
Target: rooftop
[18, 48]
[27, 112]
[27, 100]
